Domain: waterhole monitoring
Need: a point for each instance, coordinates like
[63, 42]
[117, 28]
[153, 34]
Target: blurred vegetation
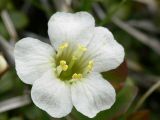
[134, 23]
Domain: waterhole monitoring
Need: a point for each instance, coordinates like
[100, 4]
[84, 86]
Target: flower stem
[147, 94]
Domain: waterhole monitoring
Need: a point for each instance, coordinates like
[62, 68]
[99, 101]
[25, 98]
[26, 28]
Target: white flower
[67, 73]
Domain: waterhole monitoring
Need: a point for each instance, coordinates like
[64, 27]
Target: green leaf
[3, 4]
[16, 118]
[3, 30]
[19, 19]
[34, 113]
[10, 82]
[6, 83]
[3, 116]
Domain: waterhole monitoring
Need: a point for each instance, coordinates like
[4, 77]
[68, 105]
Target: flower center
[72, 62]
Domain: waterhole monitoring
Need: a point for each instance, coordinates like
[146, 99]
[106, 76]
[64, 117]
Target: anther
[76, 76]
[90, 65]
[61, 48]
[62, 62]
[63, 65]
[77, 54]
[79, 76]
[64, 45]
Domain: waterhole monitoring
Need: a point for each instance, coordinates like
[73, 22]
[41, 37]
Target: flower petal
[32, 58]
[108, 53]
[92, 95]
[71, 27]
[52, 95]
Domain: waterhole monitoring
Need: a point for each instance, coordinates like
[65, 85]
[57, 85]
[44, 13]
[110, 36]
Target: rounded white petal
[52, 95]
[32, 59]
[92, 95]
[107, 53]
[77, 27]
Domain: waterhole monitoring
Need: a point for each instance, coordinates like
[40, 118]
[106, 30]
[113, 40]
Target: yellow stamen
[62, 62]
[64, 45]
[79, 76]
[74, 58]
[63, 65]
[61, 49]
[76, 76]
[82, 48]
[90, 65]
[77, 54]
[80, 51]
[91, 62]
